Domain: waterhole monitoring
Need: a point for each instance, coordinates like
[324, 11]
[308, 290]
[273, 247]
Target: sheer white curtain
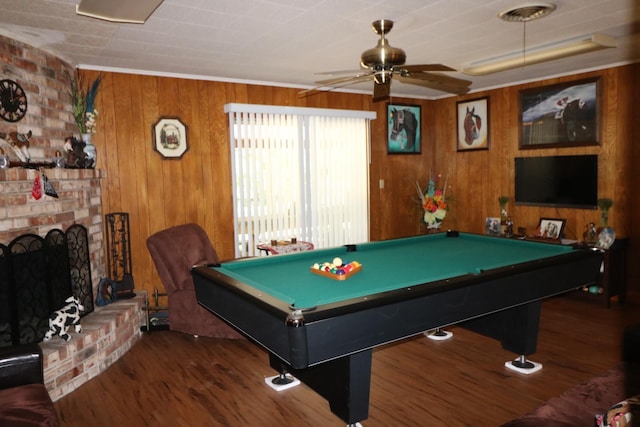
[299, 172]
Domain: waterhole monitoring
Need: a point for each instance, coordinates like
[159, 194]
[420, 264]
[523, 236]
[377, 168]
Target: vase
[90, 151]
[606, 238]
[606, 235]
[504, 216]
[433, 227]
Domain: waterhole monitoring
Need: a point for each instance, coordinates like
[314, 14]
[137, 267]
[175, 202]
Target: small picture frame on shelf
[551, 228]
[492, 226]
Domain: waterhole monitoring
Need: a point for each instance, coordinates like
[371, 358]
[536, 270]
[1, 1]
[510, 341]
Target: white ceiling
[287, 42]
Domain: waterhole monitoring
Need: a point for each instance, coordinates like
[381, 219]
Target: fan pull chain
[524, 44]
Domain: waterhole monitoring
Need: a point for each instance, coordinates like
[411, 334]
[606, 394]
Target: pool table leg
[438, 334]
[522, 365]
[344, 382]
[517, 329]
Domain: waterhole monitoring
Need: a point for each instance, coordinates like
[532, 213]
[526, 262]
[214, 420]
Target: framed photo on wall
[404, 129]
[473, 124]
[560, 115]
[170, 137]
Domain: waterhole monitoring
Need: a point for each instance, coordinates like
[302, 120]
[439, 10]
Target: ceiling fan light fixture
[591, 43]
[386, 56]
[126, 11]
[383, 54]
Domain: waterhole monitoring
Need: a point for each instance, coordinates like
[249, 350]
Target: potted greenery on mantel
[83, 98]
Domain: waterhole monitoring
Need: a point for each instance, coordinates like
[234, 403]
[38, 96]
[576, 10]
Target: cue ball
[337, 262]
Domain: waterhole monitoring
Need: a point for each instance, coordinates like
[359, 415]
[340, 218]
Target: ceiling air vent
[527, 12]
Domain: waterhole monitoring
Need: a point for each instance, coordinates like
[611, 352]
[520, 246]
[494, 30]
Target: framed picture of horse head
[404, 129]
[473, 124]
[560, 115]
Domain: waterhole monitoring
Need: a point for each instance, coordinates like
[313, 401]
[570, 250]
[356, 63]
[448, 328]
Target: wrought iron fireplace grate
[36, 276]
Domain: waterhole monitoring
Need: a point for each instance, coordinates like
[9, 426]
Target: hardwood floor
[173, 379]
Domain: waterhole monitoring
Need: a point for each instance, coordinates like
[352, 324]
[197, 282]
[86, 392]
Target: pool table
[323, 330]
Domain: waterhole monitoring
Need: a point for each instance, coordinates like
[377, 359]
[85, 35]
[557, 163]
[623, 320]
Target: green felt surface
[386, 266]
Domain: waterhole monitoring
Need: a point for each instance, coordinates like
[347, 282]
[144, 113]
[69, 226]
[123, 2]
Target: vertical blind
[299, 172]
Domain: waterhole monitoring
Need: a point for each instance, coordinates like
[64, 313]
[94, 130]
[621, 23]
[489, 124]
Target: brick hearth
[107, 334]
[109, 331]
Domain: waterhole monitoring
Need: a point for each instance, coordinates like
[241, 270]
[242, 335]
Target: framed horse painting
[473, 124]
[404, 129]
[560, 115]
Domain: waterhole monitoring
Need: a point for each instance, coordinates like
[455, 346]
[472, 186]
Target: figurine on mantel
[18, 143]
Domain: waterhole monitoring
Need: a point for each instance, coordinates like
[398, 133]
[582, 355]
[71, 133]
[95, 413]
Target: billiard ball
[337, 262]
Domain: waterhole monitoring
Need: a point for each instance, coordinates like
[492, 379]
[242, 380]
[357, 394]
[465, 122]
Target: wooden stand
[157, 315]
[612, 279]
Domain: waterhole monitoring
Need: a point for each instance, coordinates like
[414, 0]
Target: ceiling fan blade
[456, 89]
[438, 78]
[381, 91]
[344, 80]
[336, 72]
[427, 67]
[337, 83]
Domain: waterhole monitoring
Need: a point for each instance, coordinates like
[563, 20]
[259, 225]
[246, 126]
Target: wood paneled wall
[482, 176]
[159, 193]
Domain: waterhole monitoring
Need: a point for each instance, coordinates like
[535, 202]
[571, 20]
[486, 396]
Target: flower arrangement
[433, 202]
[83, 98]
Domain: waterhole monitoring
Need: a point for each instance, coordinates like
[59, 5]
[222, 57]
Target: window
[299, 172]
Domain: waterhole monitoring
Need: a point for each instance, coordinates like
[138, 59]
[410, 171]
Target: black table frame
[330, 347]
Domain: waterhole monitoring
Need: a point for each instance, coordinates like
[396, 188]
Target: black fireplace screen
[36, 276]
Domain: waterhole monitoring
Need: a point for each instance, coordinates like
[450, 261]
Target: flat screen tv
[561, 181]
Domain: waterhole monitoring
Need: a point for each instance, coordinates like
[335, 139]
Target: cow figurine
[60, 320]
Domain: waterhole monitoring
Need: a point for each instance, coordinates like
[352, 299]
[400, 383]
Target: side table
[285, 247]
[613, 276]
[612, 279]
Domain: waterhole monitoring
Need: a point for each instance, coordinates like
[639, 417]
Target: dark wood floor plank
[173, 379]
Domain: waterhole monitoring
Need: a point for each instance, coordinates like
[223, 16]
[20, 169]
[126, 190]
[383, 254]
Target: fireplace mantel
[79, 202]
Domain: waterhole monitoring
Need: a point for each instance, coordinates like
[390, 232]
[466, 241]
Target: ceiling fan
[384, 62]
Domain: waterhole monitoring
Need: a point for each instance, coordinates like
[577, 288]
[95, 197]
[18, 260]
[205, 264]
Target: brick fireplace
[109, 331]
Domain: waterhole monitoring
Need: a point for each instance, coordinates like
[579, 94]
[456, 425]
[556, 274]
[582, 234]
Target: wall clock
[13, 101]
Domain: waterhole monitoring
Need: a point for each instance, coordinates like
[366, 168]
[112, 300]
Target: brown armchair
[24, 400]
[174, 251]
